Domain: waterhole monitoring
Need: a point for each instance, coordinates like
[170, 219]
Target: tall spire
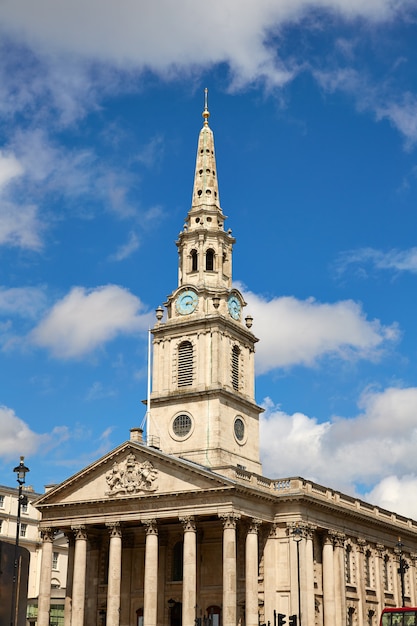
[206, 189]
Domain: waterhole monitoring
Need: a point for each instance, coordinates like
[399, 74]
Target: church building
[183, 529]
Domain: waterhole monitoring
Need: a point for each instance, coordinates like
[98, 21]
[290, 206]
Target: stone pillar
[78, 586]
[114, 575]
[412, 574]
[44, 599]
[361, 587]
[379, 576]
[150, 595]
[189, 577]
[70, 577]
[329, 611]
[251, 574]
[229, 569]
[309, 603]
[340, 585]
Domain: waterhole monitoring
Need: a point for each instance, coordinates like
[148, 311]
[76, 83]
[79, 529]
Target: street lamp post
[297, 536]
[402, 568]
[21, 471]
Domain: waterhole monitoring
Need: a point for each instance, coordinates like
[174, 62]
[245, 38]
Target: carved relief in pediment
[130, 476]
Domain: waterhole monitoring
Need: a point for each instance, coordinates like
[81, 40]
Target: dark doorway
[176, 614]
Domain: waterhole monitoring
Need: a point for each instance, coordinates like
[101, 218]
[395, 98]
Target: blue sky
[314, 111]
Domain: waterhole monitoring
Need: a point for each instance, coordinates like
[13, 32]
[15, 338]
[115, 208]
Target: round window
[239, 429]
[181, 425]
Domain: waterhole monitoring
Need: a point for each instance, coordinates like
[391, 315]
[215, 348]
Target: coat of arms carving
[130, 476]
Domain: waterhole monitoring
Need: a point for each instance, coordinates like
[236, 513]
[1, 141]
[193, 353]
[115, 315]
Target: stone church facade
[183, 529]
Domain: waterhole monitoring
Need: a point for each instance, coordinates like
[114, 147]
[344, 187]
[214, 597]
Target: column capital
[47, 534]
[339, 540]
[80, 532]
[229, 520]
[188, 523]
[361, 543]
[254, 524]
[151, 526]
[114, 529]
[380, 548]
[329, 537]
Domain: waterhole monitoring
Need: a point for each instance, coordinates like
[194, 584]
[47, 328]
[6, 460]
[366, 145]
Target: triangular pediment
[133, 470]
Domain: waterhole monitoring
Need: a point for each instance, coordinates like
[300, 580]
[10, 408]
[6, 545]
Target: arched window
[185, 364]
[368, 568]
[177, 560]
[210, 260]
[235, 367]
[386, 573]
[348, 564]
[194, 260]
[213, 615]
[139, 617]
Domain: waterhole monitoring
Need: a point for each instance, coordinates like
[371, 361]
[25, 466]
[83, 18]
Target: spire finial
[206, 113]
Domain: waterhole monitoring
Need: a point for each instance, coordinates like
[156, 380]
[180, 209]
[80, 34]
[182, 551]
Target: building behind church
[183, 529]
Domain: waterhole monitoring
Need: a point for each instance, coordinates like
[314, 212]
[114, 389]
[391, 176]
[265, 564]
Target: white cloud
[98, 391]
[126, 249]
[396, 260]
[20, 226]
[167, 37]
[367, 449]
[396, 494]
[10, 167]
[16, 437]
[300, 332]
[85, 320]
[22, 301]
[382, 99]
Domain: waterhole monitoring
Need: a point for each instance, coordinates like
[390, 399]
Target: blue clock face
[234, 307]
[186, 302]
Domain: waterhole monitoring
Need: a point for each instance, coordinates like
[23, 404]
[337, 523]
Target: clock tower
[202, 405]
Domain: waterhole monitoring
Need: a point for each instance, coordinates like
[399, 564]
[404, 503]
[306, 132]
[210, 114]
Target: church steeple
[206, 188]
[203, 383]
[204, 247]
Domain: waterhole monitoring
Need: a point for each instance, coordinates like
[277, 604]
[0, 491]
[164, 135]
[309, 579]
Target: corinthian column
[78, 586]
[229, 569]
[114, 575]
[44, 600]
[251, 574]
[340, 586]
[189, 578]
[329, 611]
[151, 574]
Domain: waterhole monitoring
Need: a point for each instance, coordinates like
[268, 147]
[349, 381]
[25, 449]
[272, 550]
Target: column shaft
[229, 570]
[114, 575]
[189, 582]
[309, 604]
[44, 599]
[340, 586]
[251, 574]
[329, 612]
[78, 586]
[151, 574]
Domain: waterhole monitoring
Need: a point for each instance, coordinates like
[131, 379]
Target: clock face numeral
[234, 307]
[186, 302]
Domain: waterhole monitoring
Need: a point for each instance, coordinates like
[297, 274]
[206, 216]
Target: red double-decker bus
[399, 616]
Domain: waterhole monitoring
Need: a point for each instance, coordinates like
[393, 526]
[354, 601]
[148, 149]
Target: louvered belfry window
[235, 368]
[185, 364]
